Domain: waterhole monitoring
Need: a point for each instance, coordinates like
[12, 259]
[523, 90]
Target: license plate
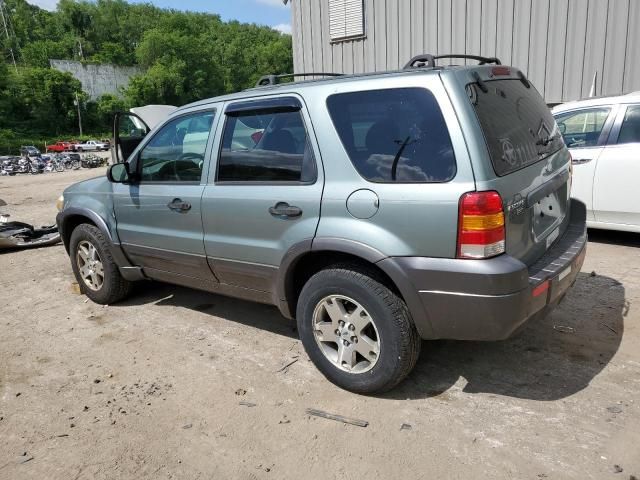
[552, 236]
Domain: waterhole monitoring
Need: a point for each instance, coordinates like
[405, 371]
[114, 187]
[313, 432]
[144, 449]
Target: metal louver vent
[346, 19]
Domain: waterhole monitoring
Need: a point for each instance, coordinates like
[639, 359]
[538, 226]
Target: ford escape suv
[377, 210]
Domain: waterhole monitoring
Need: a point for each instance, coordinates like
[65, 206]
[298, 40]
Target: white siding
[558, 44]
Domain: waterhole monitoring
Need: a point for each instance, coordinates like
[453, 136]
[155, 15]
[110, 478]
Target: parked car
[59, 147]
[377, 210]
[91, 145]
[29, 151]
[603, 136]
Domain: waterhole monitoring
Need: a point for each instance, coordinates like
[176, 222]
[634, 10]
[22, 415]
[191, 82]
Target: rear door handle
[283, 209]
[178, 205]
[578, 161]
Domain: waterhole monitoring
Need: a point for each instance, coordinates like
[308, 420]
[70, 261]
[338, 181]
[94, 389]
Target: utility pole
[6, 32]
[77, 102]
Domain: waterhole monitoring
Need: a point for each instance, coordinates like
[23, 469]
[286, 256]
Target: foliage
[185, 57]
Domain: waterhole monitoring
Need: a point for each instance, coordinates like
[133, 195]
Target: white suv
[603, 136]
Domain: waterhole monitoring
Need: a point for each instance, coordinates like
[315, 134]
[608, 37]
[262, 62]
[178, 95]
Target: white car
[91, 145]
[603, 136]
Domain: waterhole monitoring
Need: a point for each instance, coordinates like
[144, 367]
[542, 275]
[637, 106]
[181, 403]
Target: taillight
[481, 231]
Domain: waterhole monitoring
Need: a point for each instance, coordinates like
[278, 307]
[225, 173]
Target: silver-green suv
[377, 210]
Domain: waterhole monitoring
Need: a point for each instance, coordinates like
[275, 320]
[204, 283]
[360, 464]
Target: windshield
[518, 127]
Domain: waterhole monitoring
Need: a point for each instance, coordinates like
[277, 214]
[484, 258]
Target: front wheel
[356, 330]
[93, 266]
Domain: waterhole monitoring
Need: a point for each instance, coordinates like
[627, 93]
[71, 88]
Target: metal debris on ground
[247, 404]
[405, 426]
[607, 326]
[564, 329]
[295, 359]
[337, 418]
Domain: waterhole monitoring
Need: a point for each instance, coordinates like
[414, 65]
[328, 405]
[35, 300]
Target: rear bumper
[489, 299]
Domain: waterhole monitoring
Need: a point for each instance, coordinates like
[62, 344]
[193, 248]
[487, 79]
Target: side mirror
[118, 173]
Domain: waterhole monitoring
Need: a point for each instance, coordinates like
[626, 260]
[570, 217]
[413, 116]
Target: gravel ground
[152, 387]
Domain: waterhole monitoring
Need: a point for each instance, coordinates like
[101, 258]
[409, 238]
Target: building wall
[559, 44]
[97, 80]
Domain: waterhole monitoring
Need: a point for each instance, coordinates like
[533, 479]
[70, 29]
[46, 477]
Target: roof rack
[428, 60]
[273, 79]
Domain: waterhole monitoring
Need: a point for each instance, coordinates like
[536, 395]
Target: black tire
[114, 288]
[399, 339]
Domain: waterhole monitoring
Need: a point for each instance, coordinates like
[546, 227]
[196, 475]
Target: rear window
[394, 135]
[518, 127]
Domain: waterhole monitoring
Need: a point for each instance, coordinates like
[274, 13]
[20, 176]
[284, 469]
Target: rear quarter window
[394, 135]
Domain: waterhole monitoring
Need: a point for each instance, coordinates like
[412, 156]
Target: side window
[630, 130]
[266, 146]
[176, 151]
[394, 135]
[582, 128]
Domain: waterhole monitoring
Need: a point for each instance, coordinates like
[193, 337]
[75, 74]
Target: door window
[266, 146]
[630, 130]
[176, 152]
[582, 128]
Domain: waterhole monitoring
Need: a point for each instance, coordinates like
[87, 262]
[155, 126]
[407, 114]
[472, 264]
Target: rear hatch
[528, 163]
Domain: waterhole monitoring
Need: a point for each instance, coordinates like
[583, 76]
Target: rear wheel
[93, 266]
[356, 330]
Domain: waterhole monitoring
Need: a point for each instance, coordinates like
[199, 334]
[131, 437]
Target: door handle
[579, 161]
[178, 205]
[283, 209]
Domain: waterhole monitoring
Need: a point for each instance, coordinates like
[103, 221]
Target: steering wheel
[185, 156]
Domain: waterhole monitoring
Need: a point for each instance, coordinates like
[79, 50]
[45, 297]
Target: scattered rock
[241, 391]
[618, 469]
[284, 420]
[72, 425]
[614, 409]
[75, 288]
[187, 426]
[593, 273]
[18, 394]
[85, 408]
[405, 426]
[97, 380]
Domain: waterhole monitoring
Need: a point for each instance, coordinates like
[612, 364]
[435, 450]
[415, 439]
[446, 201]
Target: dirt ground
[151, 388]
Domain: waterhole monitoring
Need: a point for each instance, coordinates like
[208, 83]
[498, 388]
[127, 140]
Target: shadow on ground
[627, 239]
[264, 317]
[550, 359]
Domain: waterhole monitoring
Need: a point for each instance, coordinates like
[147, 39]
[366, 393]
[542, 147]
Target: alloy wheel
[346, 334]
[90, 265]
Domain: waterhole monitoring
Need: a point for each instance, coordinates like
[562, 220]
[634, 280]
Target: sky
[264, 12]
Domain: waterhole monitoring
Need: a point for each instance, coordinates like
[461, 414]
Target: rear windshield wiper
[481, 84]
